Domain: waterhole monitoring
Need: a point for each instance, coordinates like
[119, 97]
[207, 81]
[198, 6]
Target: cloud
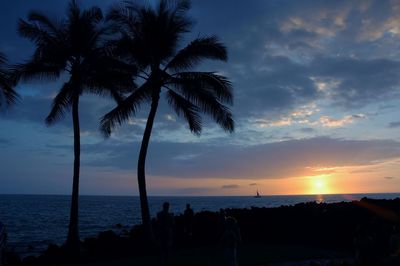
[307, 130]
[315, 51]
[282, 47]
[272, 160]
[34, 109]
[389, 177]
[296, 116]
[191, 190]
[300, 119]
[359, 81]
[295, 64]
[277, 86]
[327, 121]
[4, 141]
[230, 186]
[287, 58]
[394, 124]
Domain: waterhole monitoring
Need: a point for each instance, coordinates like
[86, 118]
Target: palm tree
[7, 94]
[75, 48]
[149, 39]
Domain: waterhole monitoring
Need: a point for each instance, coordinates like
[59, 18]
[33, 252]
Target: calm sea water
[34, 221]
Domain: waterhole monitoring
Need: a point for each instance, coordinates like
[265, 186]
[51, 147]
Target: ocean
[35, 221]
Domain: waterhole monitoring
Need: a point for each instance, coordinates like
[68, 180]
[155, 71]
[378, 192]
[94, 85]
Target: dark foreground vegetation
[364, 232]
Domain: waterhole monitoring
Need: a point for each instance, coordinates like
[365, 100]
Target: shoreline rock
[333, 226]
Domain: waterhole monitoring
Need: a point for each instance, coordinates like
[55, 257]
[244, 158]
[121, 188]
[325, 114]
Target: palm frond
[197, 50]
[127, 108]
[182, 7]
[73, 10]
[93, 14]
[189, 111]
[124, 13]
[207, 103]
[50, 26]
[7, 83]
[211, 82]
[221, 114]
[7, 89]
[34, 32]
[36, 69]
[9, 94]
[116, 88]
[50, 38]
[176, 12]
[61, 104]
[105, 75]
[225, 119]
[98, 36]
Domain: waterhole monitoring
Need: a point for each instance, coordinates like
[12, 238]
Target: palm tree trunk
[144, 204]
[73, 231]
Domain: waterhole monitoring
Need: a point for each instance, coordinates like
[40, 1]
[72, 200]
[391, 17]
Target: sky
[316, 87]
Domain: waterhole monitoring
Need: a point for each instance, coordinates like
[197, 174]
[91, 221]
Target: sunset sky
[317, 98]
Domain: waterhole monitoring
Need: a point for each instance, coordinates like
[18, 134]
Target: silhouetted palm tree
[7, 94]
[150, 38]
[74, 46]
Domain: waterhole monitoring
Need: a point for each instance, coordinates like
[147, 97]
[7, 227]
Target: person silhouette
[230, 240]
[188, 220]
[164, 223]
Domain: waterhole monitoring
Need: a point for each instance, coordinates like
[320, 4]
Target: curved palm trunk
[144, 204]
[73, 232]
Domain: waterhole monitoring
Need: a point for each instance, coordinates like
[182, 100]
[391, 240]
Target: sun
[319, 185]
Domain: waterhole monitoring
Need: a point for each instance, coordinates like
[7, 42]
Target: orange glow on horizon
[321, 180]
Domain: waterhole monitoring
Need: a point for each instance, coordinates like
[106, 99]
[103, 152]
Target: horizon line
[181, 196]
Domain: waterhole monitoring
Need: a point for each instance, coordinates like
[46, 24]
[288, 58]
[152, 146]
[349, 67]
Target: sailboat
[257, 194]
